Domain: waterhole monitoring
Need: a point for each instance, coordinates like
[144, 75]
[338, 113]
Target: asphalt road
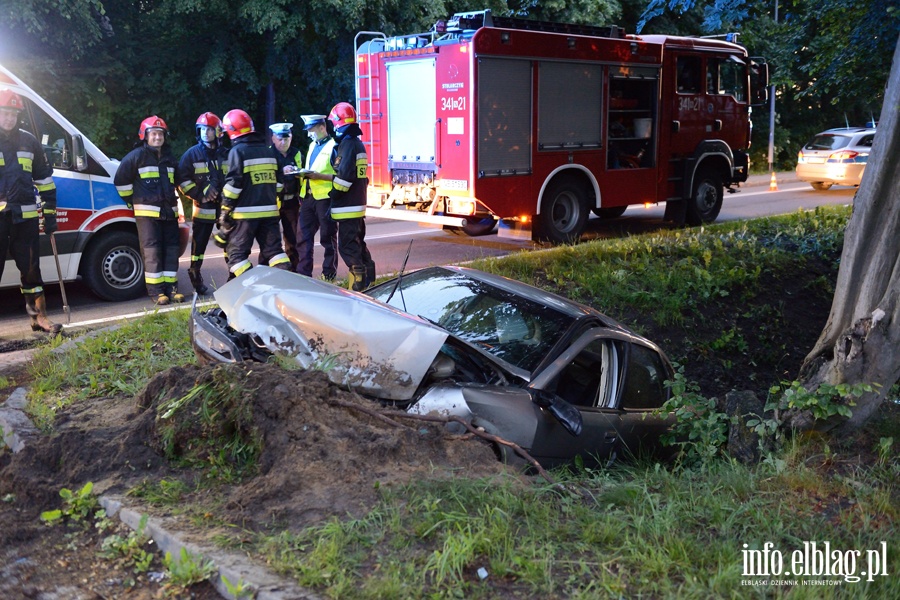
[389, 241]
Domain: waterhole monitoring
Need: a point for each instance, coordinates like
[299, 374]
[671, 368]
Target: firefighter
[289, 162]
[315, 209]
[24, 168]
[201, 177]
[348, 195]
[145, 180]
[250, 198]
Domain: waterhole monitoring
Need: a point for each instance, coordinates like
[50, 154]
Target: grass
[635, 531]
[645, 530]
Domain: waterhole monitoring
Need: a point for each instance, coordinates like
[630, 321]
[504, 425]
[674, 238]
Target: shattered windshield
[508, 326]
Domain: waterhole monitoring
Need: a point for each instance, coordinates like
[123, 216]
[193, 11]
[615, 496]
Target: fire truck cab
[536, 125]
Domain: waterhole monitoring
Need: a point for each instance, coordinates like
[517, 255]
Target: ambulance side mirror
[78, 151]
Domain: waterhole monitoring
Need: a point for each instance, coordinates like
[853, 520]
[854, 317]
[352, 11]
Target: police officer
[250, 197]
[145, 180]
[201, 177]
[24, 167]
[315, 208]
[348, 195]
[289, 162]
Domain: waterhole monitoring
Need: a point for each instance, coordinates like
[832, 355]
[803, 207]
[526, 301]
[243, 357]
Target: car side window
[644, 386]
[584, 380]
[867, 140]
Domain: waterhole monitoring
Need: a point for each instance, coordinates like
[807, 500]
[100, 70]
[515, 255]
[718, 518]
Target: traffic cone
[773, 185]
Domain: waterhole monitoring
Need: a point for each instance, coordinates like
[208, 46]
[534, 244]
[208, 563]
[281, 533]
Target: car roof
[846, 130]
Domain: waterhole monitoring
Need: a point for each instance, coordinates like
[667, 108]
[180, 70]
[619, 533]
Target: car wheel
[821, 185]
[564, 211]
[113, 267]
[610, 213]
[706, 201]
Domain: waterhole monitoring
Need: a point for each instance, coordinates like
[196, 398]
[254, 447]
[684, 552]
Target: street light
[772, 115]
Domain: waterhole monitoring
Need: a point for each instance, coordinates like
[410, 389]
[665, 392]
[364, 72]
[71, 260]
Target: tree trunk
[861, 340]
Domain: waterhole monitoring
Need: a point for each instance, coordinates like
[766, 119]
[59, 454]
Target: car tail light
[800, 156]
[844, 156]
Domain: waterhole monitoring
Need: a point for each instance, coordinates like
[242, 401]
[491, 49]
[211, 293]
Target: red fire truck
[535, 125]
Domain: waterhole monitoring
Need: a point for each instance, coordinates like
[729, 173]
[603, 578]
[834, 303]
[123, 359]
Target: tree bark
[861, 339]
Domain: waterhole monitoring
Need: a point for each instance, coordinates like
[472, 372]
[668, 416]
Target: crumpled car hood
[359, 342]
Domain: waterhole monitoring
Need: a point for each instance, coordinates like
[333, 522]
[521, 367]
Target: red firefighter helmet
[10, 99]
[342, 114]
[209, 119]
[237, 123]
[153, 122]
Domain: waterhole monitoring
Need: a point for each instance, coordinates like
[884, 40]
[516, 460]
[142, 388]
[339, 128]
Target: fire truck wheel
[610, 213]
[564, 211]
[113, 267]
[706, 201]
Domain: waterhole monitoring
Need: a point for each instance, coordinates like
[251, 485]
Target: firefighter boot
[174, 295]
[370, 273]
[37, 310]
[197, 281]
[357, 279]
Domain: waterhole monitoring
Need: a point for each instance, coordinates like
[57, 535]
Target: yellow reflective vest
[319, 188]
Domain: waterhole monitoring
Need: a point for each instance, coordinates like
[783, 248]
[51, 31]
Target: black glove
[49, 223]
[225, 220]
[211, 193]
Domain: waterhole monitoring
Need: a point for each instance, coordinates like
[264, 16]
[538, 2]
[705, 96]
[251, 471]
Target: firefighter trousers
[159, 247]
[267, 233]
[290, 213]
[201, 232]
[21, 242]
[352, 246]
[315, 216]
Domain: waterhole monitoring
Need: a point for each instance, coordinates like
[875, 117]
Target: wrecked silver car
[553, 376]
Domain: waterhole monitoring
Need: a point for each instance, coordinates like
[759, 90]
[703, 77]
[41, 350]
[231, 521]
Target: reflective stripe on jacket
[348, 194]
[24, 167]
[146, 180]
[253, 180]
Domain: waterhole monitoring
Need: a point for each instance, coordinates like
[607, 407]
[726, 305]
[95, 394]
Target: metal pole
[772, 115]
[62, 285]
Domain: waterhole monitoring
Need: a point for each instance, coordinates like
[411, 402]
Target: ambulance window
[55, 141]
[688, 74]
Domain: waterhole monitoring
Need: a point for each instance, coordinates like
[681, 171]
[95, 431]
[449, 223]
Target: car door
[585, 375]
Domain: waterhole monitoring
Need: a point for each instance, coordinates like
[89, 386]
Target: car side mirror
[567, 415]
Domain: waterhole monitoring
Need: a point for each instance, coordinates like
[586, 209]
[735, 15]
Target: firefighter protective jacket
[253, 180]
[23, 166]
[199, 168]
[289, 198]
[145, 180]
[348, 194]
[320, 163]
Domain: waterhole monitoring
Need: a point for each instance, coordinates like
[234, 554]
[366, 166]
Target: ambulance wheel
[564, 211]
[706, 201]
[113, 267]
[610, 213]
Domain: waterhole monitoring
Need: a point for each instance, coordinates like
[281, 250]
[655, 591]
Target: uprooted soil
[317, 459]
